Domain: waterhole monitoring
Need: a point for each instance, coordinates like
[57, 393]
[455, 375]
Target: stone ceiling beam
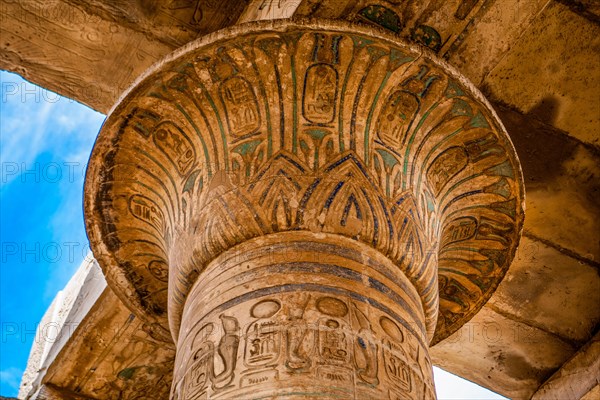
[535, 321]
[563, 174]
[92, 51]
[108, 351]
[51, 392]
[561, 88]
[538, 316]
[258, 10]
[577, 377]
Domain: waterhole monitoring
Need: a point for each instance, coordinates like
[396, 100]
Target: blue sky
[45, 142]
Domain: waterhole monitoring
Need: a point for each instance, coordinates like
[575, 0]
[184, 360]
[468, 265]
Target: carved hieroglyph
[328, 317]
[241, 187]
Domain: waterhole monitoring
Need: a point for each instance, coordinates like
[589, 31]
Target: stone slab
[562, 183]
[493, 31]
[561, 86]
[578, 378]
[540, 290]
[92, 51]
[505, 356]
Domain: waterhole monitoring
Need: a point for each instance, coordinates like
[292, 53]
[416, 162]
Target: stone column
[303, 315]
[303, 208]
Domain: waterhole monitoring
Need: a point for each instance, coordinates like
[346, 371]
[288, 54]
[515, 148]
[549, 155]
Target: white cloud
[47, 138]
[34, 121]
[12, 377]
[23, 135]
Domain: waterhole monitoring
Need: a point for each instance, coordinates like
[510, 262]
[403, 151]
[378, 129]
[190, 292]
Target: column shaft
[302, 315]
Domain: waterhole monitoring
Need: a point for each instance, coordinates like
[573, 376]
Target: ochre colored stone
[293, 314]
[303, 207]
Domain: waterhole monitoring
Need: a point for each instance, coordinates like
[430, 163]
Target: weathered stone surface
[101, 352]
[302, 326]
[491, 33]
[531, 325]
[51, 392]
[436, 24]
[488, 40]
[319, 137]
[544, 295]
[592, 394]
[406, 69]
[561, 88]
[589, 9]
[258, 10]
[512, 357]
[68, 308]
[120, 356]
[577, 378]
[562, 180]
[92, 51]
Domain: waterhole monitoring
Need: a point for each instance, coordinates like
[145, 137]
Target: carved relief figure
[401, 107]
[300, 339]
[202, 369]
[321, 80]
[395, 366]
[200, 372]
[334, 342]
[146, 210]
[458, 230]
[445, 167]
[228, 349]
[366, 347]
[394, 355]
[312, 191]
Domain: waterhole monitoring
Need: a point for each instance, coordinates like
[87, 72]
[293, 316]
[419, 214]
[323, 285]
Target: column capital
[304, 126]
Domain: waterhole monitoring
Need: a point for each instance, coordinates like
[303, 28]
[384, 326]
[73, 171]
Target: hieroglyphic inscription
[445, 167]
[241, 105]
[321, 80]
[284, 334]
[173, 141]
[201, 373]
